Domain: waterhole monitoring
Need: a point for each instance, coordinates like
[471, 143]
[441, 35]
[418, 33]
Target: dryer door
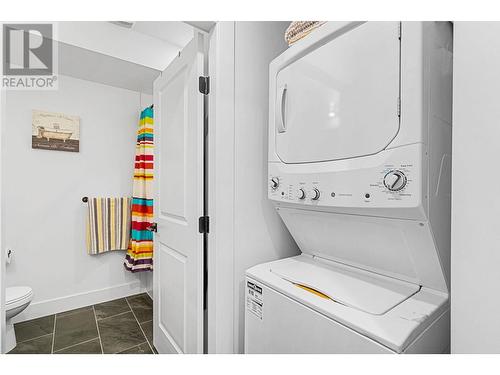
[340, 100]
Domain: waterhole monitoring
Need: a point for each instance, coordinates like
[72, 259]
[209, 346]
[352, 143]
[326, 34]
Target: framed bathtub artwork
[55, 131]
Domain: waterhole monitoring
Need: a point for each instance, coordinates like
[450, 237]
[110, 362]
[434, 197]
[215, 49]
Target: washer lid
[16, 294]
[362, 290]
[396, 248]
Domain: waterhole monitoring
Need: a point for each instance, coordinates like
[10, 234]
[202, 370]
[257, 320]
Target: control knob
[301, 194]
[315, 194]
[395, 180]
[275, 182]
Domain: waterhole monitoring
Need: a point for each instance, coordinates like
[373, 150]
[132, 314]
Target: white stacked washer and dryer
[360, 173]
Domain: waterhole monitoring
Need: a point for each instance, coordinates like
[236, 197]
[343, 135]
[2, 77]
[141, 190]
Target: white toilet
[17, 298]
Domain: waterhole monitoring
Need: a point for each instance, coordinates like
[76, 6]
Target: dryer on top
[340, 100]
[360, 146]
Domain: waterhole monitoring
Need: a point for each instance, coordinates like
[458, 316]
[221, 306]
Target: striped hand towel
[108, 224]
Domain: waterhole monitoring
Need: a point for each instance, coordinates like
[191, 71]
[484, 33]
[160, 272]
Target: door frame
[221, 189]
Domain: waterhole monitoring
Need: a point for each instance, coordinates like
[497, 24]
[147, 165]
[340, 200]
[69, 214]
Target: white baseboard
[75, 301]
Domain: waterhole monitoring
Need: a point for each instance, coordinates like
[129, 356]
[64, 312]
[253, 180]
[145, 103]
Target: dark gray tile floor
[123, 326]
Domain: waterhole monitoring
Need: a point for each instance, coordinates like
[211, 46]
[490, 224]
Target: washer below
[306, 304]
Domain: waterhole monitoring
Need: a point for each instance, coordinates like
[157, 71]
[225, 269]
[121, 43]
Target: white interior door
[178, 252]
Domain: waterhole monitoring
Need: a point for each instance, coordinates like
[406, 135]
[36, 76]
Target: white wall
[259, 235]
[125, 44]
[475, 262]
[245, 230]
[43, 214]
[2, 254]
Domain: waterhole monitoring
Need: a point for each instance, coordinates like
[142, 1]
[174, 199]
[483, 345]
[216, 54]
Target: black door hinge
[204, 85]
[203, 224]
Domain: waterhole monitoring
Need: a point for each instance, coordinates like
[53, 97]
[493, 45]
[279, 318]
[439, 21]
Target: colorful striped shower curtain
[140, 250]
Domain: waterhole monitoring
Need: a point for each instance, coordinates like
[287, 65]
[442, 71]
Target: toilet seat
[17, 296]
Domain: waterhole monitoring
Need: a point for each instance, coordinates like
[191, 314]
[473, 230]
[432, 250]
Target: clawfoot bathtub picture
[55, 131]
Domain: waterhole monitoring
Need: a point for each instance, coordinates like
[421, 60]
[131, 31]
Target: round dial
[395, 180]
[301, 194]
[315, 194]
[275, 182]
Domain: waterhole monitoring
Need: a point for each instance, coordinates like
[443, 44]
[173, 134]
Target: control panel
[395, 182]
